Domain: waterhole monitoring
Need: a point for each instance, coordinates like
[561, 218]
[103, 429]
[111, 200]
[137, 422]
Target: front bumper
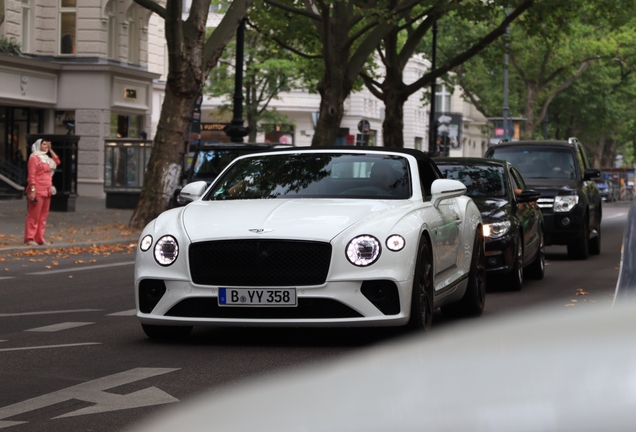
[562, 228]
[500, 255]
[333, 304]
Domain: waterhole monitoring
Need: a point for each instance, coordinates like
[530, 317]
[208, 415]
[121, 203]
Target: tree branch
[152, 6]
[372, 85]
[472, 51]
[304, 12]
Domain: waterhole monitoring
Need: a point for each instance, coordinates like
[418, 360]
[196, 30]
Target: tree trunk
[393, 126]
[333, 89]
[165, 163]
[190, 59]
[531, 99]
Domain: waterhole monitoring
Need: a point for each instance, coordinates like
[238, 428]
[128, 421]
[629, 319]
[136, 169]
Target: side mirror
[591, 173]
[192, 191]
[528, 195]
[442, 189]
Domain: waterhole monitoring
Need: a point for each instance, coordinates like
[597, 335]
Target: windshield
[210, 163]
[315, 175]
[480, 180]
[541, 162]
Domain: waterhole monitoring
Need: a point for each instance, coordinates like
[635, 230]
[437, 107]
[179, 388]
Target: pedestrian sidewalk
[90, 224]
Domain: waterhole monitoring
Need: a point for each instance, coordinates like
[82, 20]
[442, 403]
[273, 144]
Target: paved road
[73, 356]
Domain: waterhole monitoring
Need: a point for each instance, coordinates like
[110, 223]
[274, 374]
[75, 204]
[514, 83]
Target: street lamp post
[505, 101]
[235, 130]
[432, 126]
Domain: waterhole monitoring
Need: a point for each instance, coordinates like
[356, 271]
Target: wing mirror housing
[591, 173]
[442, 189]
[192, 192]
[528, 195]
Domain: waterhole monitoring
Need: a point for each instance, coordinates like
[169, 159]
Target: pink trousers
[36, 219]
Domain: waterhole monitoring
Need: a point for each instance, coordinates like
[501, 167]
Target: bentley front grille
[308, 308]
[268, 263]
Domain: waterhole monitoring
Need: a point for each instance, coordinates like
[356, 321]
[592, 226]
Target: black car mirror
[591, 173]
[528, 195]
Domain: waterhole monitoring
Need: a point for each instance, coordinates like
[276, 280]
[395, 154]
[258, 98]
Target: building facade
[82, 68]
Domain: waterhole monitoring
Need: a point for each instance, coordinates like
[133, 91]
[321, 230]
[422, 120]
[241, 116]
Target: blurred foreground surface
[542, 370]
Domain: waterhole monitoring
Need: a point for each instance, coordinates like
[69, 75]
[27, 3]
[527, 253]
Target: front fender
[471, 222]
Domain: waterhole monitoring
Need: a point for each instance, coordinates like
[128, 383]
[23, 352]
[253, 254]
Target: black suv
[570, 199]
[206, 161]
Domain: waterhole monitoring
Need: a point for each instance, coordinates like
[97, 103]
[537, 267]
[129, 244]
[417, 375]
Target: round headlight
[363, 250]
[395, 242]
[166, 250]
[496, 230]
[145, 243]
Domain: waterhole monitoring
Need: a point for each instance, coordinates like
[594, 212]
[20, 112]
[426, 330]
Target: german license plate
[257, 297]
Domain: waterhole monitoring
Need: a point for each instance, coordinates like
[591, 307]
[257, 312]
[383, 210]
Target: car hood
[492, 209]
[320, 219]
[551, 187]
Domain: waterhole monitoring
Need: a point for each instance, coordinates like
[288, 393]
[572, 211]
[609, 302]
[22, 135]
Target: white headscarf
[44, 157]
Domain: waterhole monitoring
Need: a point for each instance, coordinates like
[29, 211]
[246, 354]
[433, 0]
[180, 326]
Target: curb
[68, 245]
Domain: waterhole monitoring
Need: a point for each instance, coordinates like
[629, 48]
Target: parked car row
[334, 237]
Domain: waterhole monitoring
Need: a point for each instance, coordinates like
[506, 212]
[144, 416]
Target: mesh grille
[317, 308]
[259, 263]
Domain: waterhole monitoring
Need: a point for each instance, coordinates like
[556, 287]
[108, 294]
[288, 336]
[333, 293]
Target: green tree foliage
[599, 108]
[550, 49]
[403, 41]
[191, 56]
[339, 35]
[268, 71]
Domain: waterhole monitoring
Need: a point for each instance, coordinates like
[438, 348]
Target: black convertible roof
[417, 154]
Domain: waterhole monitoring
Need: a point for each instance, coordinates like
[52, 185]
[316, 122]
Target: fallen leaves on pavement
[67, 252]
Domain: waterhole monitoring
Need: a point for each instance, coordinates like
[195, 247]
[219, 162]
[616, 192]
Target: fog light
[492, 261]
[565, 221]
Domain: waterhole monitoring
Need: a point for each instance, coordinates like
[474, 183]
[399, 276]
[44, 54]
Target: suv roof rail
[572, 140]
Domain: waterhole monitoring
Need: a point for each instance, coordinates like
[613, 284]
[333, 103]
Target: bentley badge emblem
[260, 230]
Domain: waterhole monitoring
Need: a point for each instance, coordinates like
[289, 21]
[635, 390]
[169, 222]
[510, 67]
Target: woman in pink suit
[40, 169]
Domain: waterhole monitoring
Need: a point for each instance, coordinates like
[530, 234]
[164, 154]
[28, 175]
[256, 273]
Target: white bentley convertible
[313, 237]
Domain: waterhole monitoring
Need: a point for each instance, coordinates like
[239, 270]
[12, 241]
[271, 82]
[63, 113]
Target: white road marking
[7, 277]
[59, 327]
[48, 312]
[76, 269]
[130, 312]
[49, 346]
[617, 215]
[93, 392]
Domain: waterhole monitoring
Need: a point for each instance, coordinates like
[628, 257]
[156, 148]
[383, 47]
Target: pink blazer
[39, 174]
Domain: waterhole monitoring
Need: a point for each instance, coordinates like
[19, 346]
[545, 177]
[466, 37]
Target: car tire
[536, 269]
[595, 242]
[514, 279]
[166, 332]
[474, 300]
[579, 248]
[422, 292]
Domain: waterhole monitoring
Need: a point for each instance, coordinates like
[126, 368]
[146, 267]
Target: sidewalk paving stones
[90, 225]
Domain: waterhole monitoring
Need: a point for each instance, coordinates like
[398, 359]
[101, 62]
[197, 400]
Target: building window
[68, 27]
[26, 25]
[113, 30]
[123, 126]
[442, 99]
[133, 35]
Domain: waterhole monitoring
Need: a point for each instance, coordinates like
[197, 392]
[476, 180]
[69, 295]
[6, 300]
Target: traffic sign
[364, 126]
